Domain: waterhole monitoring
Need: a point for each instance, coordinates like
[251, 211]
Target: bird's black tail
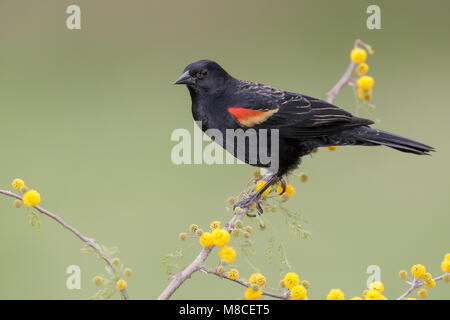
[378, 137]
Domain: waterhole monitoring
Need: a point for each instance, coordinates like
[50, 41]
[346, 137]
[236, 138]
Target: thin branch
[344, 80]
[195, 265]
[416, 284]
[245, 284]
[87, 241]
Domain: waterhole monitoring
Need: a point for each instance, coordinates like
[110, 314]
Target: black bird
[303, 123]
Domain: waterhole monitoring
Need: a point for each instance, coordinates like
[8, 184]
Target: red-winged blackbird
[304, 123]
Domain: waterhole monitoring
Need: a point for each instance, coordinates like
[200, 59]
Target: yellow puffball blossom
[260, 184]
[365, 82]
[358, 55]
[128, 272]
[220, 237]
[418, 270]
[17, 184]
[227, 253]
[377, 285]
[121, 284]
[251, 294]
[291, 279]
[332, 148]
[257, 278]
[32, 198]
[373, 294]
[447, 257]
[206, 239]
[423, 293]
[298, 293]
[233, 274]
[290, 190]
[445, 265]
[116, 261]
[365, 94]
[97, 280]
[430, 284]
[303, 177]
[362, 69]
[193, 228]
[356, 298]
[335, 294]
[403, 274]
[17, 203]
[214, 225]
[427, 276]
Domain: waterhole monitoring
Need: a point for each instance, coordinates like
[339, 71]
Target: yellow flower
[356, 298]
[430, 284]
[303, 177]
[128, 272]
[403, 274]
[220, 237]
[427, 276]
[233, 274]
[447, 257]
[17, 203]
[121, 284]
[260, 184]
[31, 198]
[227, 253]
[299, 293]
[290, 190]
[97, 280]
[377, 285]
[373, 294]
[411, 299]
[193, 228]
[17, 183]
[362, 69]
[365, 94]
[206, 239]
[358, 55]
[445, 265]
[365, 82]
[335, 294]
[257, 278]
[291, 279]
[116, 261]
[332, 148]
[423, 293]
[214, 225]
[251, 294]
[418, 270]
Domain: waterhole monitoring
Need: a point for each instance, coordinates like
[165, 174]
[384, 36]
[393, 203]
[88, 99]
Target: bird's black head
[203, 75]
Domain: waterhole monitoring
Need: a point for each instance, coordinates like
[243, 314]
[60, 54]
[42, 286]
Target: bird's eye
[202, 74]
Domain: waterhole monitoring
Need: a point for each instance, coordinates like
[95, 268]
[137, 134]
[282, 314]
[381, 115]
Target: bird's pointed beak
[185, 79]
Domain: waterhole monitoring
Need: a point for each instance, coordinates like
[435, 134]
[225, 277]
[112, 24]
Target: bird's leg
[254, 198]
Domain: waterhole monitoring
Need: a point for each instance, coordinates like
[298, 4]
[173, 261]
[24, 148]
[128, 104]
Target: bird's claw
[246, 204]
[283, 185]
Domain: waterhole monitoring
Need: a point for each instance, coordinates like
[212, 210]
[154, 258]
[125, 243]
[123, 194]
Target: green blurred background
[86, 118]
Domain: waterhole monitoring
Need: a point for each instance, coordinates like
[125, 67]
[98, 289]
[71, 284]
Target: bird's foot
[248, 202]
[283, 185]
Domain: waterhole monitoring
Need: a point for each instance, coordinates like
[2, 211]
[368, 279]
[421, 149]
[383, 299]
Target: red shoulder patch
[249, 117]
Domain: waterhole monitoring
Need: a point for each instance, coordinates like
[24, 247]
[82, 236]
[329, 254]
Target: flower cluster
[364, 82]
[112, 281]
[256, 283]
[31, 198]
[297, 290]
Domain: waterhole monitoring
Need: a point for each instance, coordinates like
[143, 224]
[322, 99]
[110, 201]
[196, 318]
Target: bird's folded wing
[292, 113]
